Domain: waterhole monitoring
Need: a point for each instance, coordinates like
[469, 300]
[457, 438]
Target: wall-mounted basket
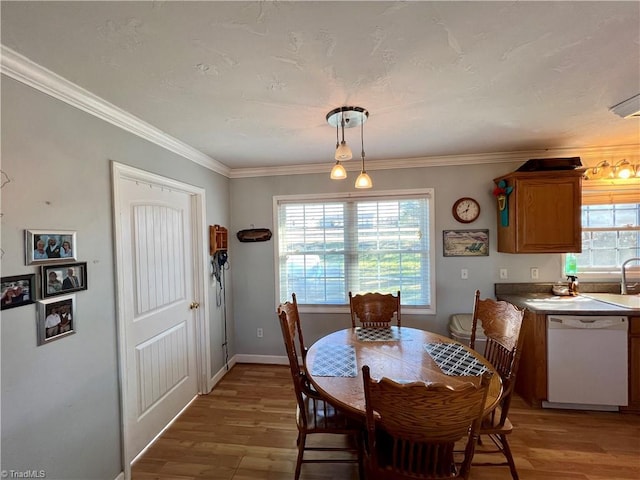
[254, 235]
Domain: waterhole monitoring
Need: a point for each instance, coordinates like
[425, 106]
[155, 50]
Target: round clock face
[466, 210]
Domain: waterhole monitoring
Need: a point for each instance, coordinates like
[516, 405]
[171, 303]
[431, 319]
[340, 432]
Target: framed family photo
[465, 243]
[17, 291]
[56, 318]
[50, 246]
[61, 279]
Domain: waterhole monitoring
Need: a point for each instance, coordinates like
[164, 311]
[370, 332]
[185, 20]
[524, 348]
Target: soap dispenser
[573, 285]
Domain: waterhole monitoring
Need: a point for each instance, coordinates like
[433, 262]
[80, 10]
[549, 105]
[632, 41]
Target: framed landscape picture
[62, 279]
[465, 243]
[50, 246]
[17, 291]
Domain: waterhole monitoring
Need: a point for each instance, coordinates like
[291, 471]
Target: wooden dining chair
[502, 325]
[412, 428]
[292, 308]
[374, 309]
[314, 414]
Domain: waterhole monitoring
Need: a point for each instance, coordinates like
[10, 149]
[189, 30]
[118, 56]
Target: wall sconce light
[347, 117]
[622, 169]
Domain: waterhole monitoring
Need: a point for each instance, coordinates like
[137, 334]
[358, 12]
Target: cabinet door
[548, 215]
[543, 213]
[634, 365]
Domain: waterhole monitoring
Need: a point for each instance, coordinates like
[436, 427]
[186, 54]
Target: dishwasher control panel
[588, 321]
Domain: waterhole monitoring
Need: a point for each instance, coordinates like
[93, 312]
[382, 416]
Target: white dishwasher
[587, 362]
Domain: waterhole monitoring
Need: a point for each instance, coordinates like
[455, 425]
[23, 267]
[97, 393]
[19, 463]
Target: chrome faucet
[623, 282]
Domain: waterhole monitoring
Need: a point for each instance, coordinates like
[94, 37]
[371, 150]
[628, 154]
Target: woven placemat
[384, 334]
[453, 359]
[335, 361]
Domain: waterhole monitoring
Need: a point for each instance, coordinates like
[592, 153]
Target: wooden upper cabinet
[544, 211]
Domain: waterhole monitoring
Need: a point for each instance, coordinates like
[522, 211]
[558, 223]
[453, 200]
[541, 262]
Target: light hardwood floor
[245, 430]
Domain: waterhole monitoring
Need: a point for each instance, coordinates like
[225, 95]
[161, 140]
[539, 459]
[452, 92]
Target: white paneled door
[158, 307]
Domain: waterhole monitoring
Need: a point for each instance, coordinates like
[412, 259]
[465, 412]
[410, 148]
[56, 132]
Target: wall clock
[466, 210]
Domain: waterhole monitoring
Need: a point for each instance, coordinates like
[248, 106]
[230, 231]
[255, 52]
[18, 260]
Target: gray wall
[60, 401]
[254, 277]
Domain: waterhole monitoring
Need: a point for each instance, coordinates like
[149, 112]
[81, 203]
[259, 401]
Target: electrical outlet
[503, 274]
[259, 332]
[534, 273]
[464, 274]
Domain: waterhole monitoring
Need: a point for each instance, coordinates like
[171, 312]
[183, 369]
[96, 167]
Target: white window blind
[330, 246]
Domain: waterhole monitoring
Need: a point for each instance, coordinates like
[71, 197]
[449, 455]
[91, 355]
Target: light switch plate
[503, 274]
[464, 274]
[535, 274]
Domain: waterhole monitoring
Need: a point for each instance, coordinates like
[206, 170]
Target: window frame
[606, 192]
[429, 193]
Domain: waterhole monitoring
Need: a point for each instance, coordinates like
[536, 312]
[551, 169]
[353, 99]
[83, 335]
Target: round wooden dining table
[334, 363]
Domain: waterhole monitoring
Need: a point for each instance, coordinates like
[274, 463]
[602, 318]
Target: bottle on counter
[571, 265]
[571, 271]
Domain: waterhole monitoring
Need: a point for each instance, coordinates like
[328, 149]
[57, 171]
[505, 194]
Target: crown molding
[588, 155]
[20, 68]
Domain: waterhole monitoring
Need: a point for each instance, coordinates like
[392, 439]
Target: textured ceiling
[249, 83]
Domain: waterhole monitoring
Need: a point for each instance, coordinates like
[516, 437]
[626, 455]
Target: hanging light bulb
[343, 152]
[338, 172]
[623, 169]
[363, 180]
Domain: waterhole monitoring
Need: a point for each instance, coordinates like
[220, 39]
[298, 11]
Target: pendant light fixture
[344, 117]
[363, 180]
[338, 172]
[343, 152]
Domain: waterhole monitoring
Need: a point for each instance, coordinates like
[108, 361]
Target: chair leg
[302, 439]
[360, 444]
[507, 453]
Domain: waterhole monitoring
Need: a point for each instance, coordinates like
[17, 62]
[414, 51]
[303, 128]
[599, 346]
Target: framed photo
[60, 279]
[56, 318]
[17, 291]
[465, 243]
[49, 246]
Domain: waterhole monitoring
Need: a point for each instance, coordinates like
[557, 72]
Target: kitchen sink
[626, 301]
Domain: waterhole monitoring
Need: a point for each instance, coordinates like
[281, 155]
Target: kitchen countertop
[548, 303]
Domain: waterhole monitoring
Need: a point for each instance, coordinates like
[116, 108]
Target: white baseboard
[266, 359]
[213, 381]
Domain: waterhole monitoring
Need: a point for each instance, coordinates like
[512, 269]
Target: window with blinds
[328, 246]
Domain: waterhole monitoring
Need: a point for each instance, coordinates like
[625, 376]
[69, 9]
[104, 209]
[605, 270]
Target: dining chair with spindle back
[502, 325]
[314, 415]
[375, 309]
[412, 428]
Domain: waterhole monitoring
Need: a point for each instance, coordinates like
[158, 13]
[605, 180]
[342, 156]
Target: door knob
[194, 305]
